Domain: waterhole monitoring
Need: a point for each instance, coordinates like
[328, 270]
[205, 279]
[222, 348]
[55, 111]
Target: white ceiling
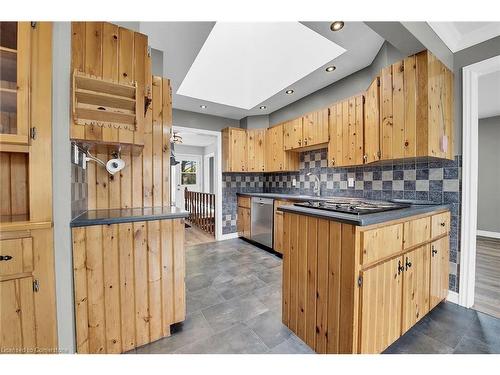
[489, 95]
[242, 64]
[191, 138]
[181, 42]
[460, 35]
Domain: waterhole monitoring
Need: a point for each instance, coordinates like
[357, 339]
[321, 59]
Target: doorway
[480, 249]
[197, 182]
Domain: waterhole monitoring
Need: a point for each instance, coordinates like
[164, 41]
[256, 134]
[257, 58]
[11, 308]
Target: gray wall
[196, 120]
[189, 150]
[255, 122]
[157, 62]
[61, 182]
[468, 56]
[488, 197]
[346, 87]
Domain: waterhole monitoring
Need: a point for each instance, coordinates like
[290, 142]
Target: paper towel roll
[115, 165]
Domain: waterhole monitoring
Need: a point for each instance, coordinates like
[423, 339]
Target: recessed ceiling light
[203, 106]
[330, 68]
[262, 107]
[289, 92]
[337, 25]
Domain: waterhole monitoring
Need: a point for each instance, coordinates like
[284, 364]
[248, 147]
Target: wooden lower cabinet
[439, 264]
[278, 226]
[129, 284]
[243, 222]
[337, 301]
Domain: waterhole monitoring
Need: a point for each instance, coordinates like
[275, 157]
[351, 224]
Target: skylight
[243, 64]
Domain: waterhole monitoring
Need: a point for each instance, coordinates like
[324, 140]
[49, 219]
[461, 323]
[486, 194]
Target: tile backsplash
[79, 190]
[436, 180]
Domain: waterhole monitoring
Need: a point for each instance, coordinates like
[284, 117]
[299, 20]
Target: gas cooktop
[353, 205]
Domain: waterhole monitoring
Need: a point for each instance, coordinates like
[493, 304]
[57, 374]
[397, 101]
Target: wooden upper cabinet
[15, 65]
[256, 145]
[234, 150]
[416, 108]
[315, 128]
[293, 134]
[277, 159]
[372, 122]
[346, 128]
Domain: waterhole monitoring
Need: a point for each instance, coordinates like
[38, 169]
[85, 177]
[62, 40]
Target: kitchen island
[129, 269]
[356, 283]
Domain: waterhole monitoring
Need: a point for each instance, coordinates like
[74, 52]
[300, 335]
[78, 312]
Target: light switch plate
[350, 182]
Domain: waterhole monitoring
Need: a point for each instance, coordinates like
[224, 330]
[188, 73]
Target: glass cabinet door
[14, 82]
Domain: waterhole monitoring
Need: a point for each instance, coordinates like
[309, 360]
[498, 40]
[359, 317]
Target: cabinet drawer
[244, 202]
[17, 256]
[380, 243]
[416, 232]
[440, 224]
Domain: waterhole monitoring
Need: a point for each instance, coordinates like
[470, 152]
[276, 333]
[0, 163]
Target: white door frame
[206, 170]
[471, 74]
[199, 173]
[218, 175]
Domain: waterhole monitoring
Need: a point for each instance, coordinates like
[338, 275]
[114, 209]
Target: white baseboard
[452, 297]
[228, 236]
[485, 233]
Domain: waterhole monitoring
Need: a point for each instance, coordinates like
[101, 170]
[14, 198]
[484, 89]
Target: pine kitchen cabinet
[15, 55]
[293, 134]
[346, 127]
[354, 288]
[234, 150]
[244, 219]
[416, 108]
[277, 159]
[256, 150]
[307, 132]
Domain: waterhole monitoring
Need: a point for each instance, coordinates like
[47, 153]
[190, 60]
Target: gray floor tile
[269, 328]
[238, 286]
[469, 345]
[233, 312]
[238, 339]
[270, 275]
[201, 299]
[415, 342]
[194, 328]
[293, 345]
[270, 296]
[485, 328]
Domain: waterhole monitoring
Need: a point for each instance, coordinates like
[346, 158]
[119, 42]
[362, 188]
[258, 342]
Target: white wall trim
[489, 234]
[218, 175]
[452, 297]
[228, 236]
[471, 74]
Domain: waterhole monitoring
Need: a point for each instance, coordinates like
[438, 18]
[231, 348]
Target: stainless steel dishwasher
[261, 230]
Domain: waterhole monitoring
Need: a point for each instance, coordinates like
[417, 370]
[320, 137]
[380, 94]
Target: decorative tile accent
[79, 190]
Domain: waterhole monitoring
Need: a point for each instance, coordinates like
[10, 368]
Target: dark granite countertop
[117, 216]
[368, 219]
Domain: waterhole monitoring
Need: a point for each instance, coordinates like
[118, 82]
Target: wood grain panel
[80, 284]
[386, 113]
[167, 275]
[312, 280]
[410, 102]
[14, 191]
[321, 327]
[380, 243]
[141, 283]
[93, 66]
[380, 321]
[157, 142]
[334, 268]
[372, 122]
[154, 281]
[285, 293]
[127, 290]
[302, 276]
[294, 276]
[398, 110]
[110, 69]
[179, 265]
[416, 232]
[439, 274]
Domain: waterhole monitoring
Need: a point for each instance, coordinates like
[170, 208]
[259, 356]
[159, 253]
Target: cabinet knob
[407, 143]
[408, 264]
[365, 157]
[333, 161]
[300, 142]
[443, 224]
[400, 267]
[5, 257]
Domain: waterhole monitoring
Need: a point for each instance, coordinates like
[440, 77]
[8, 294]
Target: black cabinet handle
[5, 257]
[434, 251]
[400, 267]
[408, 263]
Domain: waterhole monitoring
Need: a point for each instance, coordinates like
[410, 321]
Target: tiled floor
[234, 306]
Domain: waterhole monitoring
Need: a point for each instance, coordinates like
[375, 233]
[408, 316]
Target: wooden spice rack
[104, 103]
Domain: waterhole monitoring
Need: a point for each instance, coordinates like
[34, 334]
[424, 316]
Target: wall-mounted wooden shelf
[104, 103]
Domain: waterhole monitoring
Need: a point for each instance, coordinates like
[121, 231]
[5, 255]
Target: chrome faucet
[316, 184]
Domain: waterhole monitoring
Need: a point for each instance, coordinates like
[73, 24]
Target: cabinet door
[386, 120]
[372, 122]
[439, 271]
[256, 145]
[238, 154]
[243, 222]
[14, 82]
[415, 286]
[315, 128]
[274, 149]
[380, 315]
[17, 315]
[248, 222]
[278, 226]
[335, 129]
[292, 134]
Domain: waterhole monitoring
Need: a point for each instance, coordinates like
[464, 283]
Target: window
[188, 172]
